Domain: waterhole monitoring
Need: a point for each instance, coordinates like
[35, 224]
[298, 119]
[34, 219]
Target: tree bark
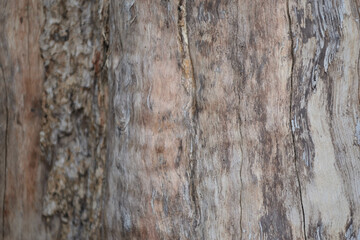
[21, 77]
[179, 119]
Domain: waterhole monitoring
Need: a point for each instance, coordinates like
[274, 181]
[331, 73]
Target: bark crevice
[292, 46]
[358, 63]
[5, 148]
[239, 119]
[189, 84]
[28, 37]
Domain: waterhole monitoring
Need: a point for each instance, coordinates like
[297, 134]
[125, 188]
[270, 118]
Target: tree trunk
[180, 119]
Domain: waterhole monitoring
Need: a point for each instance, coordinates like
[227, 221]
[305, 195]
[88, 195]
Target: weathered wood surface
[325, 115]
[203, 147]
[227, 119]
[233, 120]
[22, 74]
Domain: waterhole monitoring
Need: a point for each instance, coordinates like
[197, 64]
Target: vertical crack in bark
[291, 112]
[5, 147]
[358, 63]
[239, 118]
[188, 82]
[28, 36]
[358, 73]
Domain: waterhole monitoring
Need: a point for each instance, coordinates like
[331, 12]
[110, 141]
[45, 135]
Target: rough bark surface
[54, 99]
[179, 119]
[203, 139]
[73, 47]
[245, 127]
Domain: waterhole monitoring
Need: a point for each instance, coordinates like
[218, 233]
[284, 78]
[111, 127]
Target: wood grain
[179, 119]
[22, 171]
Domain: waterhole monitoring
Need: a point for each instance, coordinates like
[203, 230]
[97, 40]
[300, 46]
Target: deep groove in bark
[28, 37]
[188, 82]
[358, 73]
[358, 64]
[5, 160]
[239, 119]
[290, 112]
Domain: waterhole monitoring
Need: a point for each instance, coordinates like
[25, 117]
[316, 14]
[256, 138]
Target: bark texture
[245, 127]
[54, 99]
[73, 47]
[207, 122]
[325, 115]
[179, 119]
[22, 74]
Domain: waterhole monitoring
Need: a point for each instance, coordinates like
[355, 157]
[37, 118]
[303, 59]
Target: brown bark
[179, 119]
[22, 172]
[207, 123]
[53, 95]
[73, 47]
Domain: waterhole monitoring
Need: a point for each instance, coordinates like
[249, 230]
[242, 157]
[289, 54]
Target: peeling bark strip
[74, 104]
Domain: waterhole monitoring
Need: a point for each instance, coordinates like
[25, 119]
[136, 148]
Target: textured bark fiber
[207, 121]
[73, 47]
[179, 119]
[54, 101]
